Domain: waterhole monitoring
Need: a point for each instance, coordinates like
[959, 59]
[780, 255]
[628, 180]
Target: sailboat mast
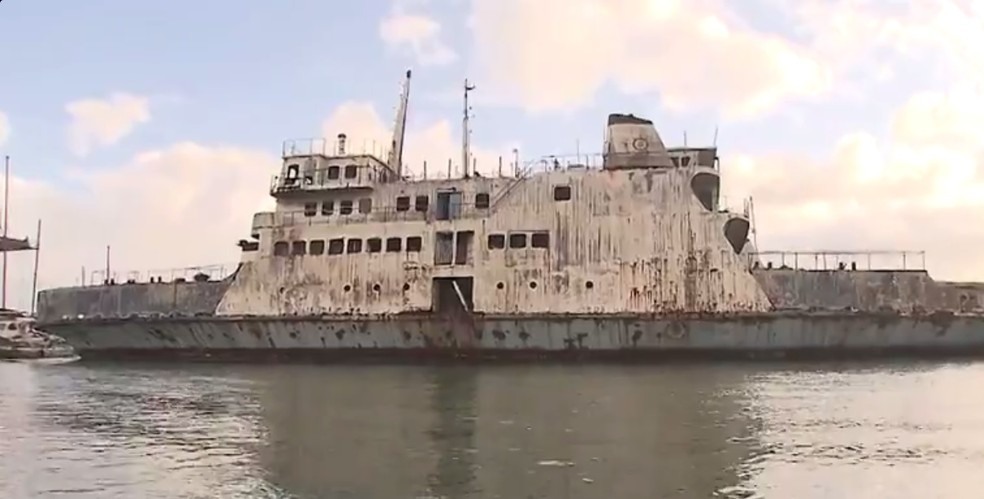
[466, 133]
[6, 219]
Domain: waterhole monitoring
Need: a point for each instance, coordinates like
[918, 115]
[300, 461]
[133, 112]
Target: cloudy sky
[154, 127]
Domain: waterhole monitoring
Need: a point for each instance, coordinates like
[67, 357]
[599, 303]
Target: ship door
[453, 295]
[463, 247]
[448, 205]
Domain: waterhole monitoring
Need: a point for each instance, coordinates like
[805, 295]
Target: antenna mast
[399, 130]
[466, 133]
[6, 220]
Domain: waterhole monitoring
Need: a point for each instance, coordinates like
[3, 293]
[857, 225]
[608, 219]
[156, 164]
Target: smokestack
[341, 144]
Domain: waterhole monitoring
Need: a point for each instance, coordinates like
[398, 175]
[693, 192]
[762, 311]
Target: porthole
[347, 288]
[532, 284]
[406, 287]
[500, 286]
[375, 287]
[589, 284]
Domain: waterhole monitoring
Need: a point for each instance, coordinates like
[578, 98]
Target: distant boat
[19, 339]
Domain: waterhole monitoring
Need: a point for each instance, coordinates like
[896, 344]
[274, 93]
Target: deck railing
[839, 260]
[214, 272]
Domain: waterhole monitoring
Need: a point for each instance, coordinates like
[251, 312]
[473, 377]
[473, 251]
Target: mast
[37, 260]
[395, 159]
[6, 218]
[466, 133]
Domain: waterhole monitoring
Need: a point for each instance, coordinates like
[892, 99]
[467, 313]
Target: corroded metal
[633, 259]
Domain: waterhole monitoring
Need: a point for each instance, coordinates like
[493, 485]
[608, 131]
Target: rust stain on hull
[630, 336]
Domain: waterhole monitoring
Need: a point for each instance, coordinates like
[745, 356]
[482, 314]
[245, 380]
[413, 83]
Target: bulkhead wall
[616, 241]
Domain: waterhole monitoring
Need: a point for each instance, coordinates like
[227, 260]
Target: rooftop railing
[839, 260]
[326, 147]
[213, 272]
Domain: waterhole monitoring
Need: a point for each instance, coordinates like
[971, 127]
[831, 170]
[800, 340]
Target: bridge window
[298, 248]
[540, 240]
[517, 240]
[354, 246]
[346, 207]
[351, 170]
[317, 247]
[310, 209]
[420, 203]
[403, 203]
[335, 246]
[414, 243]
[497, 241]
[333, 172]
[365, 205]
[374, 244]
[482, 200]
[328, 208]
[562, 193]
[280, 248]
[292, 171]
[394, 244]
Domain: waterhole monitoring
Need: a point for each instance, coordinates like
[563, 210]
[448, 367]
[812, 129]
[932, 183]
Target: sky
[155, 127]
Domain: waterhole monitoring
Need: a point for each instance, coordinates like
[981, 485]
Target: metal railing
[214, 272]
[329, 147]
[839, 260]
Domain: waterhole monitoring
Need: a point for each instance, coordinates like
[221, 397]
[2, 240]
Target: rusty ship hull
[629, 253]
[780, 335]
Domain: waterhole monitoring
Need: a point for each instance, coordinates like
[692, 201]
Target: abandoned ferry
[629, 256]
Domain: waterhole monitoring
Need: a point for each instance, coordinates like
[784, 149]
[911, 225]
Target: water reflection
[507, 432]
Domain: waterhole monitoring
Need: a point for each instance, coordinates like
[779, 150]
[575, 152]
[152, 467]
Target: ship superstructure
[632, 252]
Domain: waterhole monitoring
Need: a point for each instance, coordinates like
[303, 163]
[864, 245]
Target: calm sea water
[786, 431]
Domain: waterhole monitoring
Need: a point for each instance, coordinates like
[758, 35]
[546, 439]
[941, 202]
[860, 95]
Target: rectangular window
[298, 248]
[335, 246]
[374, 245]
[328, 208]
[280, 248]
[346, 207]
[317, 247]
[354, 246]
[448, 205]
[351, 171]
[365, 205]
[333, 172]
[394, 244]
[310, 209]
[420, 203]
[403, 203]
[482, 200]
[562, 193]
[517, 240]
[443, 248]
[540, 240]
[497, 241]
[414, 243]
[462, 247]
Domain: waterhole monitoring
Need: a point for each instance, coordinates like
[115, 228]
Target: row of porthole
[375, 287]
[502, 285]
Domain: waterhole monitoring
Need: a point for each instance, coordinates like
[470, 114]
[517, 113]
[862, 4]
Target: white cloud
[104, 122]
[418, 34]
[921, 189]
[940, 35]
[555, 54]
[4, 128]
[183, 205]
